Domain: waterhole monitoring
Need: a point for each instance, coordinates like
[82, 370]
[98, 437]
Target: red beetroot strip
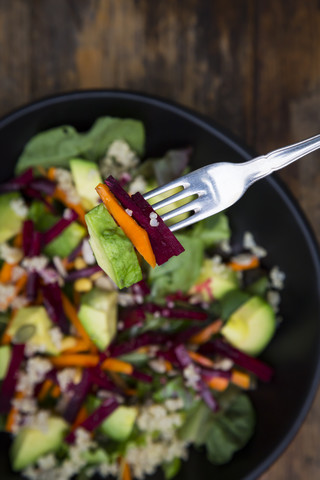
[164, 243]
[260, 369]
[168, 312]
[9, 383]
[96, 418]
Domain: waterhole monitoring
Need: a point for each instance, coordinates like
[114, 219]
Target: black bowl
[267, 210]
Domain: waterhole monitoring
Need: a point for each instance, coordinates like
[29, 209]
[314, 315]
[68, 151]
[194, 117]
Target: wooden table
[253, 66]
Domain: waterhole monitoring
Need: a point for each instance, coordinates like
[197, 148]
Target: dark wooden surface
[253, 66]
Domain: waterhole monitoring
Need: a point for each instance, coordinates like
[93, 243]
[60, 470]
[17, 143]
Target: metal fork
[220, 185]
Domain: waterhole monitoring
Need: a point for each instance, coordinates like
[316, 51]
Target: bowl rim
[239, 146]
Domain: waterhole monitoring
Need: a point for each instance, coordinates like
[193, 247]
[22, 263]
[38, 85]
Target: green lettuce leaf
[56, 146]
[179, 273]
[212, 230]
[170, 469]
[222, 433]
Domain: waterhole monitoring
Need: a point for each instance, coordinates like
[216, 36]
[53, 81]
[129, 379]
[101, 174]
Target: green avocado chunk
[215, 280]
[98, 315]
[119, 424]
[11, 222]
[114, 252]
[86, 177]
[5, 355]
[64, 243]
[32, 443]
[35, 323]
[251, 327]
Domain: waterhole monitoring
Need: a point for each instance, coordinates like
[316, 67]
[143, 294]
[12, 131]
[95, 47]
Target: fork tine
[185, 193]
[180, 182]
[196, 217]
[194, 205]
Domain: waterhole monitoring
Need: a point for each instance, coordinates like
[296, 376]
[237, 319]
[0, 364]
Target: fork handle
[262, 166]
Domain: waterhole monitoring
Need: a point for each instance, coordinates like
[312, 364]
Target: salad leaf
[107, 129]
[212, 230]
[224, 432]
[231, 301]
[56, 146]
[181, 272]
[52, 147]
[159, 171]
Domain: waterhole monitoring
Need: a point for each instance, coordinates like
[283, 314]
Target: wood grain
[253, 66]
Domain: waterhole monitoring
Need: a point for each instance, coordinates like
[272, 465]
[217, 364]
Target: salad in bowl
[120, 374]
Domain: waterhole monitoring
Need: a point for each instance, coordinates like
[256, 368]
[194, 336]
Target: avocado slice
[38, 318]
[216, 279]
[114, 252]
[98, 315]
[119, 425]
[5, 355]
[64, 243]
[32, 443]
[11, 222]
[86, 177]
[251, 327]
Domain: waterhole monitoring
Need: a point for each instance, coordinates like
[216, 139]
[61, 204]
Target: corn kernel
[79, 263]
[68, 342]
[83, 285]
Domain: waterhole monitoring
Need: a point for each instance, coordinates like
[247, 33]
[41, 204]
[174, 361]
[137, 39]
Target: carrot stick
[81, 416]
[133, 231]
[201, 359]
[62, 197]
[6, 272]
[204, 335]
[55, 392]
[79, 346]
[17, 241]
[241, 379]
[51, 174]
[75, 360]
[46, 386]
[71, 313]
[12, 414]
[238, 267]
[6, 337]
[126, 474]
[218, 383]
[115, 365]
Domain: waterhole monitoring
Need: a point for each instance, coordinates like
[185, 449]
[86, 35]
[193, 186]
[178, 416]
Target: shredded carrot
[79, 346]
[132, 392]
[51, 173]
[71, 313]
[41, 170]
[118, 380]
[126, 474]
[46, 386]
[75, 360]
[201, 359]
[62, 197]
[55, 392]
[81, 416]
[238, 267]
[12, 414]
[168, 365]
[115, 365]
[218, 383]
[6, 272]
[242, 379]
[205, 334]
[6, 337]
[133, 231]
[17, 241]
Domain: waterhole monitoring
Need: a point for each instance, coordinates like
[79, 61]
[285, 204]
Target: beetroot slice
[97, 417]
[9, 383]
[59, 227]
[164, 243]
[165, 233]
